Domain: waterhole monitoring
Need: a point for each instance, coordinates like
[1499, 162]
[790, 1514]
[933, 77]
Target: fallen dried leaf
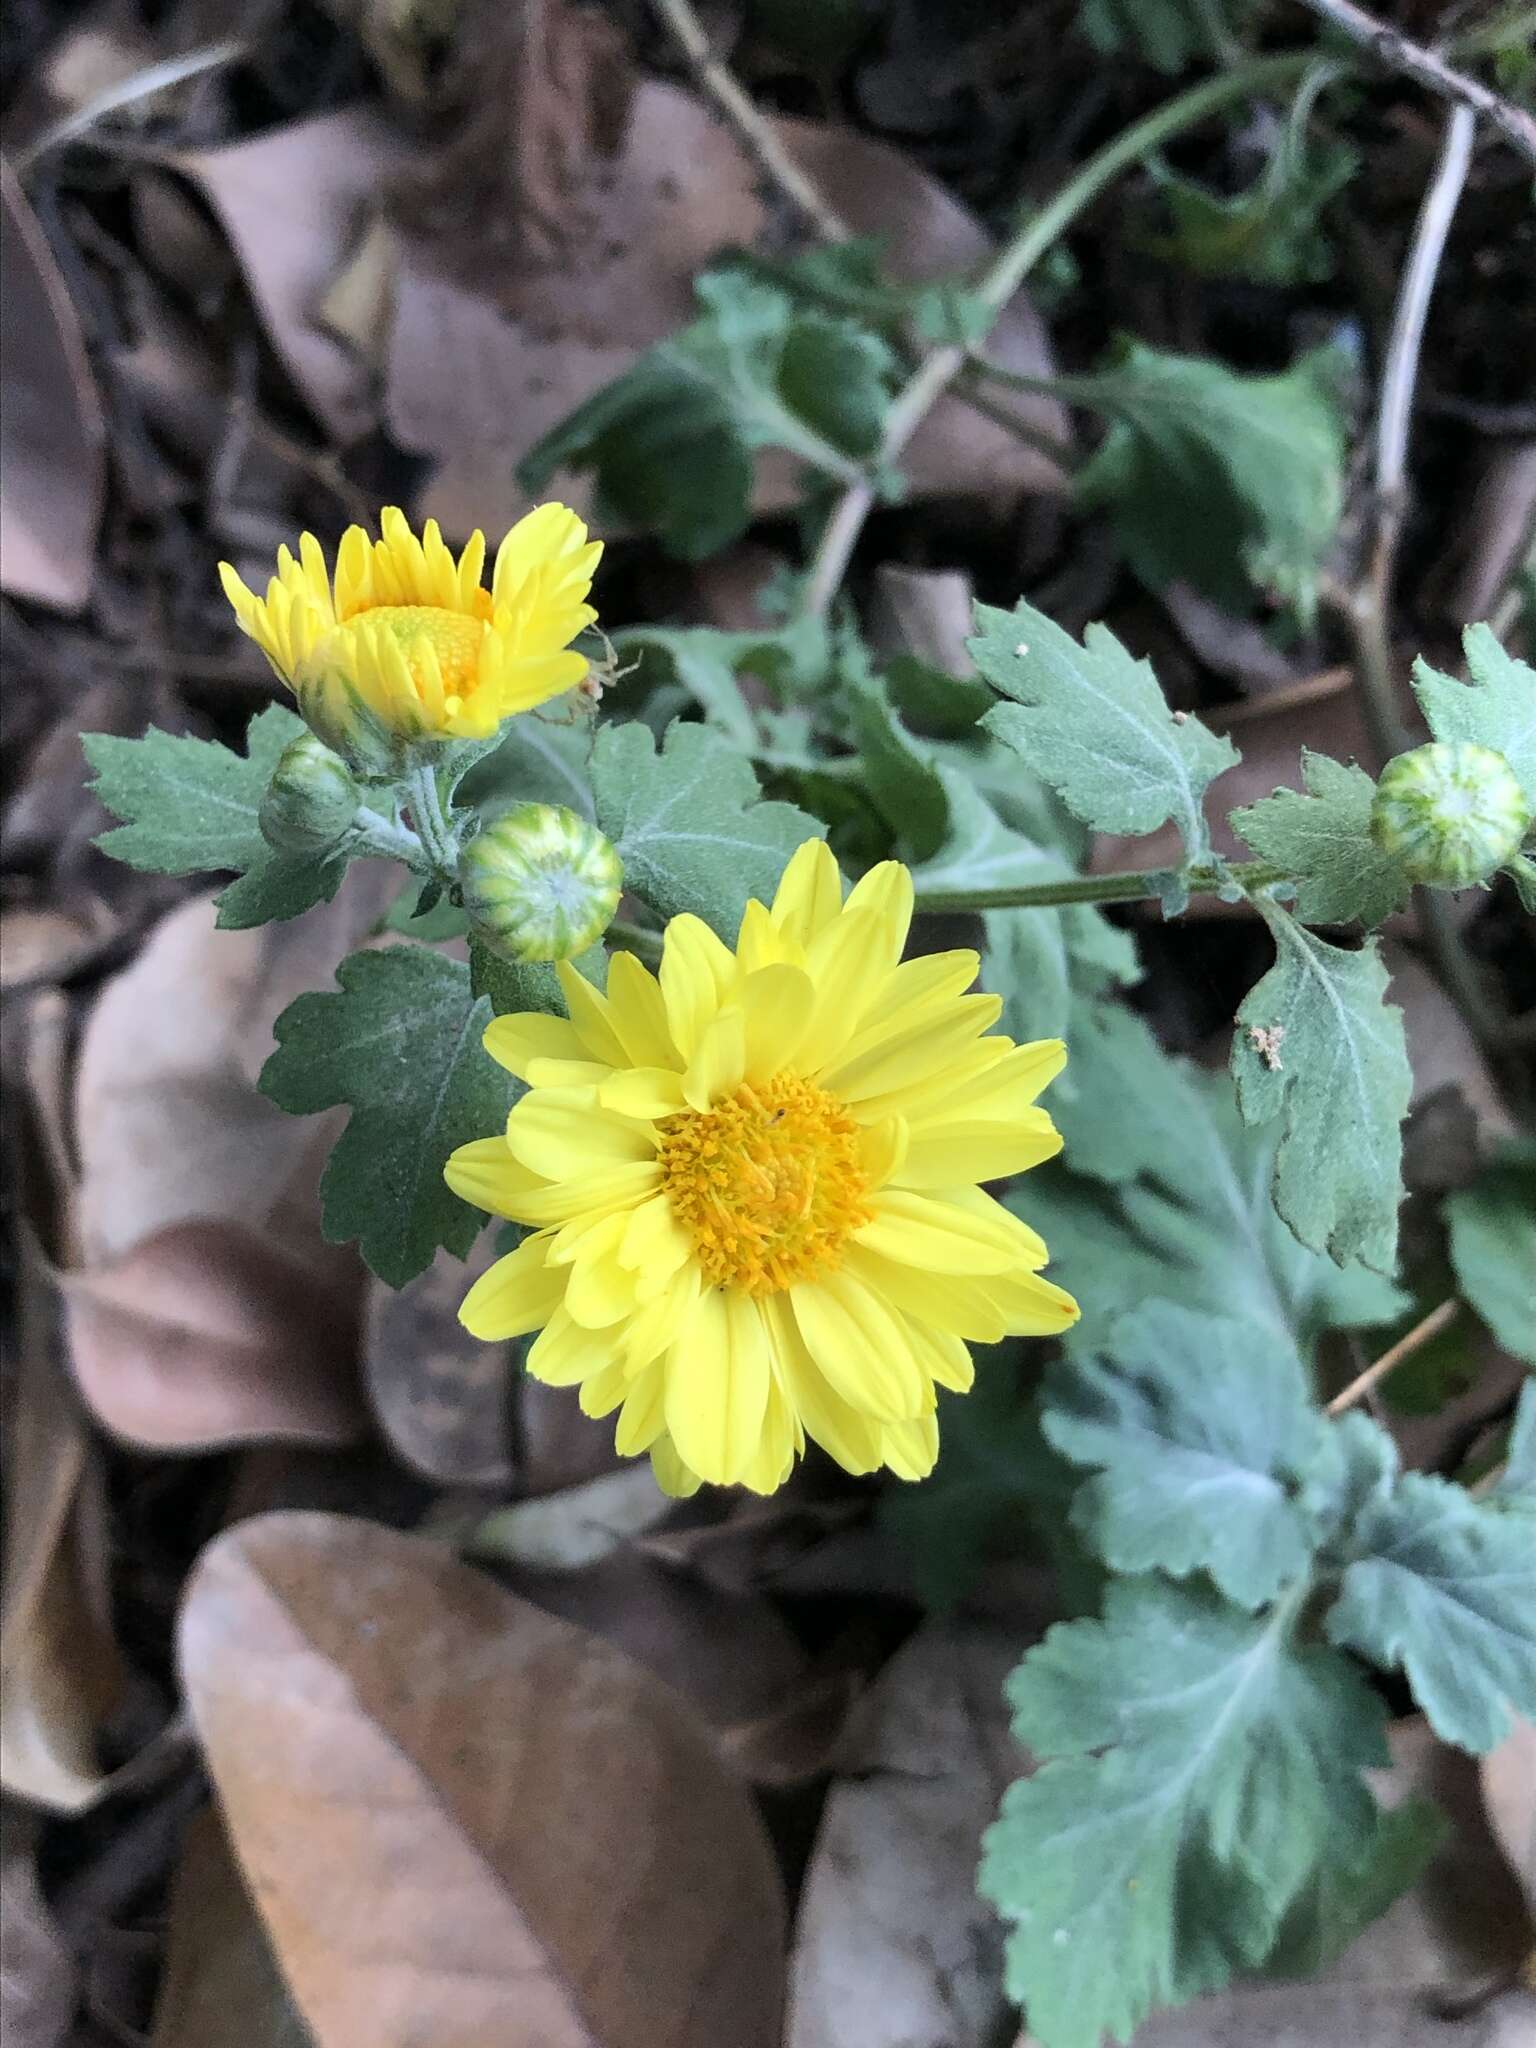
[558, 1841]
[581, 1526]
[37, 1974]
[1509, 1796]
[474, 388]
[892, 1946]
[442, 1397]
[291, 200]
[207, 1335]
[218, 1959]
[53, 471]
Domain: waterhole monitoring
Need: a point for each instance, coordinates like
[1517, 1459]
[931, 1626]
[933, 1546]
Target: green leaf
[1194, 1223]
[1496, 709]
[517, 986]
[1444, 1588]
[1224, 481]
[1199, 1766]
[903, 781]
[689, 824]
[1492, 1227]
[1316, 1042]
[1169, 35]
[190, 807]
[401, 1046]
[538, 760]
[1200, 1428]
[1515, 1491]
[1271, 233]
[1324, 839]
[934, 701]
[672, 439]
[1092, 721]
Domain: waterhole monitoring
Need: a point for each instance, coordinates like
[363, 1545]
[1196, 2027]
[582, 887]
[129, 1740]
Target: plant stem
[382, 835]
[1415, 1340]
[1393, 49]
[1013, 264]
[1133, 886]
[755, 130]
[638, 939]
[438, 838]
[140, 86]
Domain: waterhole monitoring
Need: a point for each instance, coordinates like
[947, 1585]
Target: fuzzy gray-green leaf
[1324, 839]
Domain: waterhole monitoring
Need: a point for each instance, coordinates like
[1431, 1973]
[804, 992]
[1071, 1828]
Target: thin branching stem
[1134, 885]
[1034, 238]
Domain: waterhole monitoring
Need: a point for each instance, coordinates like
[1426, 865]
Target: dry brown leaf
[207, 1335]
[892, 1947]
[474, 387]
[581, 1526]
[293, 201]
[53, 472]
[442, 1397]
[218, 1960]
[925, 612]
[52, 943]
[453, 1809]
[1509, 1795]
[171, 1128]
[37, 1974]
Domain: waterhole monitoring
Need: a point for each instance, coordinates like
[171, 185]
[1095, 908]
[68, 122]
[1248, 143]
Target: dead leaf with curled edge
[891, 1944]
[53, 469]
[443, 1398]
[459, 1815]
[474, 387]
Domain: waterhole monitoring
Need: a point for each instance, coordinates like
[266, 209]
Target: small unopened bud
[311, 800]
[540, 883]
[1449, 813]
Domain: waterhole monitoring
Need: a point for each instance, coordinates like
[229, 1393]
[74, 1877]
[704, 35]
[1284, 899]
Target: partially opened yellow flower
[408, 643]
[753, 1186]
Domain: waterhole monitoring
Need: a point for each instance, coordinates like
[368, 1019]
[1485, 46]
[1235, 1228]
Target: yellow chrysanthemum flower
[408, 644]
[753, 1186]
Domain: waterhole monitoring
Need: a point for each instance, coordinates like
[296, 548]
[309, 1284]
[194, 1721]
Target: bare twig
[128, 91]
[1437, 1320]
[1396, 52]
[755, 129]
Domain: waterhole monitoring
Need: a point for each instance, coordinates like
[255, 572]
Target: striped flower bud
[1450, 813]
[311, 800]
[540, 883]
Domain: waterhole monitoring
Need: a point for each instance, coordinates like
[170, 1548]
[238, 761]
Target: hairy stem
[1014, 261]
[638, 939]
[1133, 886]
[381, 835]
[438, 839]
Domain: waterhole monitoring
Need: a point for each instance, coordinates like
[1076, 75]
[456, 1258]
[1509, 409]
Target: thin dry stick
[142, 85]
[1396, 52]
[755, 129]
[1437, 1320]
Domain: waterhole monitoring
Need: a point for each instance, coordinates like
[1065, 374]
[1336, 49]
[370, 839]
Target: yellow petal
[561, 1134]
[564, 1353]
[601, 1291]
[590, 1015]
[920, 1051]
[639, 1013]
[515, 1042]
[952, 1154]
[696, 973]
[643, 1416]
[1032, 1306]
[859, 1346]
[934, 1236]
[810, 892]
[643, 1092]
[958, 1303]
[776, 1003]
[911, 1448]
[519, 1293]
[886, 891]
[655, 1244]
[719, 1060]
[484, 1174]
[672, 1475]
[846, 1434]
[717, 1385]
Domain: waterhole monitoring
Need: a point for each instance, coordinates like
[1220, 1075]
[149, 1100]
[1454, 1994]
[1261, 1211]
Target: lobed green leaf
[1324, 839]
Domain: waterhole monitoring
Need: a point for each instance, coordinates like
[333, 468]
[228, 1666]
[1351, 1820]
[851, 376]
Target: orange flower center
[454, 638]
[769, 1183]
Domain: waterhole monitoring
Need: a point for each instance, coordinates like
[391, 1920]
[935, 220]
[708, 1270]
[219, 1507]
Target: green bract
[311, 801]
[539, 883]
[1449, 813]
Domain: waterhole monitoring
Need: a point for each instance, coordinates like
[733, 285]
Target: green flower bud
[1450, 813]
[540, 883]
[311, 800]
